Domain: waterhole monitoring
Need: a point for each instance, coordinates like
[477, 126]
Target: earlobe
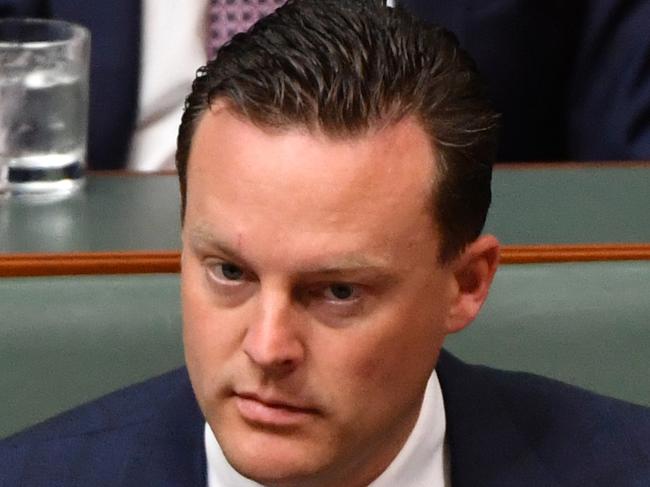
[473, 272]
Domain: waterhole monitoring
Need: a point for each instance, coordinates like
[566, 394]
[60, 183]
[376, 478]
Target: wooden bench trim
[535, 254]
[19, 265]
[89, 263]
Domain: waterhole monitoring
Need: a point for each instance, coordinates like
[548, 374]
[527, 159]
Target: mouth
[272, 412]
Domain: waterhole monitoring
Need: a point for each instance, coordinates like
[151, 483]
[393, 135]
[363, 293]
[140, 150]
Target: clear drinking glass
[43, 105]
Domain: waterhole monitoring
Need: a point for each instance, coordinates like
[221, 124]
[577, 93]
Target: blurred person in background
[571, 78]
[144, 54]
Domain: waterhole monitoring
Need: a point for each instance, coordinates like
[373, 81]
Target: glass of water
[43, 106]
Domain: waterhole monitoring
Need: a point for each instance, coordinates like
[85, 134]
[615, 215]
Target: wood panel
[169, 262]
[535, 254]
[88, 263]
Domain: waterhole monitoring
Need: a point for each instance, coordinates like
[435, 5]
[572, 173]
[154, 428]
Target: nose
[273, 341]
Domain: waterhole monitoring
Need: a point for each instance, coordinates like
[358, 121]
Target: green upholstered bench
[65, 340]
[587, 324]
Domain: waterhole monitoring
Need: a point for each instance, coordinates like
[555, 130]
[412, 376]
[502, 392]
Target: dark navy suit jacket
[504, 429]
[571, 77]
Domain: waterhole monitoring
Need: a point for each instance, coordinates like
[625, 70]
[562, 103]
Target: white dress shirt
[173, 47]
[423, 461]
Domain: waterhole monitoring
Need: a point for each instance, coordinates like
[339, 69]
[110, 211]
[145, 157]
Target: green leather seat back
[65, 340]
[587, 324]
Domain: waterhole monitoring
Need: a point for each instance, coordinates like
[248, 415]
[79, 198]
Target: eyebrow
[204, 239]
[345, 265]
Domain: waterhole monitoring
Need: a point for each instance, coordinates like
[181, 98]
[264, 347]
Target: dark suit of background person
[572, 78]
[504, 429]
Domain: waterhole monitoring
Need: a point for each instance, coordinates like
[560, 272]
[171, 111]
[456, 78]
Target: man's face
[314, 304]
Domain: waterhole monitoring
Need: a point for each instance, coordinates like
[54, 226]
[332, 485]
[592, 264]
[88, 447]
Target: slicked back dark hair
[346, 67]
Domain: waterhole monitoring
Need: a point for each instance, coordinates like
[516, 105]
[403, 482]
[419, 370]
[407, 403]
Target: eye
[340, 291]
[332, 302]
[231, 271]
[226, 273]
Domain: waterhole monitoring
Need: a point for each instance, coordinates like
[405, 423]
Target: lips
[272, 411]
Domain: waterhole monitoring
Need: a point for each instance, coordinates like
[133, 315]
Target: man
[335, 168]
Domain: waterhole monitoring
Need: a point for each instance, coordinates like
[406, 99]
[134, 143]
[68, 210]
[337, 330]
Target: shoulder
[135, 404]
[526, 394]
[579, 436]
[577, 431]
[98, 439]
[555, 405]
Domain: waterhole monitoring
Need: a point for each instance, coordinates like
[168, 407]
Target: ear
[473, 272]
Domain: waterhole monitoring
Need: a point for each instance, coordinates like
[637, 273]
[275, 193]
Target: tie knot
[229, 17]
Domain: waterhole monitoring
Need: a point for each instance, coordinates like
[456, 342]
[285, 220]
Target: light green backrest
[587, 324]
[65, 340]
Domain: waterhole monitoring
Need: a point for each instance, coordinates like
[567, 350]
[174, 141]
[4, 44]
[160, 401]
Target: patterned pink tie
[228, 17]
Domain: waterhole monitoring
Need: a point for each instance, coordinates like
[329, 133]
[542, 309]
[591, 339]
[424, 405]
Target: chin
[273, 474]
[273, 460]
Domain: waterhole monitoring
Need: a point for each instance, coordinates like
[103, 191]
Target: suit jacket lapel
[486, 447]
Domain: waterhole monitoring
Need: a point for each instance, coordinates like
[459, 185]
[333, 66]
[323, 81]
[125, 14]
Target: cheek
[196, 331]
[204, 323]
[196, 312]
[398, 361]
[398, 357]
[209, 336]
[205, 334]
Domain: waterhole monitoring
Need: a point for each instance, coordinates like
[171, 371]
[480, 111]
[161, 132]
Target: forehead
[400, 152]
[245, 176]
